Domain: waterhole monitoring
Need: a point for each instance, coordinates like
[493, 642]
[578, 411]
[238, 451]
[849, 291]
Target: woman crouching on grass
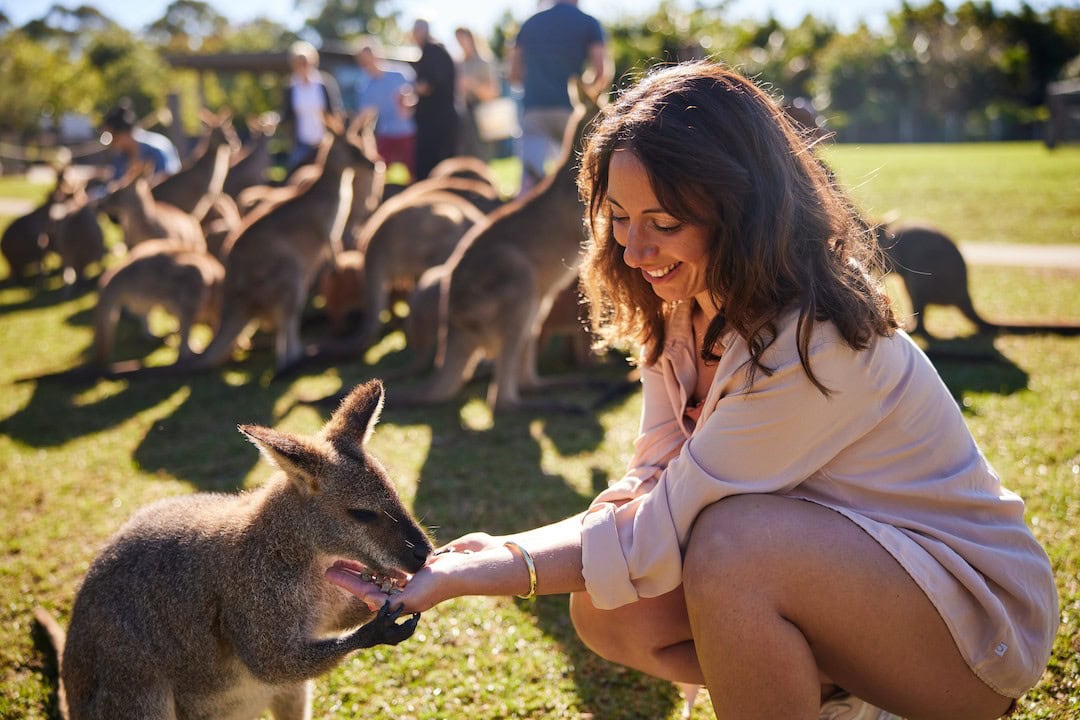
[806, 526]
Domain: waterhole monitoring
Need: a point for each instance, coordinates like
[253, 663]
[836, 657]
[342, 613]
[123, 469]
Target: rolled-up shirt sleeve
[762, 439]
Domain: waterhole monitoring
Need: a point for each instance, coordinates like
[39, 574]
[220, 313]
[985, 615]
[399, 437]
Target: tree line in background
[933, 74]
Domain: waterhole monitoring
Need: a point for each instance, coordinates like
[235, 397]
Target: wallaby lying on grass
[935, 273]
[195, 186]
[504, 276]
[159, 273]
[271, 262]
[215, 606]
[141, 217]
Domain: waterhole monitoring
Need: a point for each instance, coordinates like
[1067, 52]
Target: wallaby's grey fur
[195, 186]
[504, 276]
[216, 606]
[159, 273]
[271, 262]
[407, 235]
[144, 218]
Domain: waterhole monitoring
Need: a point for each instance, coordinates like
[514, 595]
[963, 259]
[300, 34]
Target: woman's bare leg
[781, 592]
[650, 635]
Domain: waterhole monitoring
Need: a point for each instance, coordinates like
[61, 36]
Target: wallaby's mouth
[389, 581]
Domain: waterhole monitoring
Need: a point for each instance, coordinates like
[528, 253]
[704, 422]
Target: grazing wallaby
[932, 268]
[407, 235]
[216, 606]
[141, 217]
[195, 186]
[271, 261]
[504, 276]
[249, 166]
[935, 273]
[159, 273]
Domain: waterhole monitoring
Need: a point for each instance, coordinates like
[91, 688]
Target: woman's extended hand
[450, 572]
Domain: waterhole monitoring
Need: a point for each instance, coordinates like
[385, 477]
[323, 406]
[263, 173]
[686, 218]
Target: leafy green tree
[37, 82]
[343, 20]
[189, 25]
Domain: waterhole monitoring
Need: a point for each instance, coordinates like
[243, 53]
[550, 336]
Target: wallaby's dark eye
[364, 516]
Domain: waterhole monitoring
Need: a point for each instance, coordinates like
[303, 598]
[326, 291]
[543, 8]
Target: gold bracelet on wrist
[528, 563]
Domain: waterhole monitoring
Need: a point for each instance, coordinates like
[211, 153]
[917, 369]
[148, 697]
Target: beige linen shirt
[888, 449]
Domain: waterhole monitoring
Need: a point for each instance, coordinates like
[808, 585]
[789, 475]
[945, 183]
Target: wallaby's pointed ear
[354, 420]
[297, 458]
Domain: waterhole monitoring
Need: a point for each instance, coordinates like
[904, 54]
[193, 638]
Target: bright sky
[482, 15]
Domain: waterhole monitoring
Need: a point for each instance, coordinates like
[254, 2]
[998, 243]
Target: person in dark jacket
[436, 115]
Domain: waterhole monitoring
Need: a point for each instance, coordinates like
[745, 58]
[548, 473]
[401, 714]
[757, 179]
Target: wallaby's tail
[57, 638]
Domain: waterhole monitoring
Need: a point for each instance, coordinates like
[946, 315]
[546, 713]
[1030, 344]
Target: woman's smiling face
[671, 254]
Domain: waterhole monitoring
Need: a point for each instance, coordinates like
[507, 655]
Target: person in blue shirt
[551, 46]
[389, 95]
[130, 144]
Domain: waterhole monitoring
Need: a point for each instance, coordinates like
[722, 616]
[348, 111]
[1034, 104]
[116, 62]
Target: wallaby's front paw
[384, 628]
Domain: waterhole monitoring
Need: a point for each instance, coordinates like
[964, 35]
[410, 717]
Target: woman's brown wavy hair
[721, 153]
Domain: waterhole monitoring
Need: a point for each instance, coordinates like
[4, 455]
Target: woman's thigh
[651, 635]
[868, 625]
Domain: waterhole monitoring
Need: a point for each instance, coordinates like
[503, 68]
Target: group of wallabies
[216, 606]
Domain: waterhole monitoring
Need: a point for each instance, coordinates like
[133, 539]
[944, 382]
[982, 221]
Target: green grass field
[77, 460]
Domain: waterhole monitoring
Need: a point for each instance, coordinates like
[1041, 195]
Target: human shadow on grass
[492, 480]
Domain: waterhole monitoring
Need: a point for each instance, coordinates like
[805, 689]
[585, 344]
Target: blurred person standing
[551, 46]
[436, 113]
[389, 95]
[310, 94]
[478, 82]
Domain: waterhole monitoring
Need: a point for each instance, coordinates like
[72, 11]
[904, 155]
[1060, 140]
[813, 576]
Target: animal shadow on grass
[56, 413]
[48, 291]
[975, 365]
[198, 442]
[492, 480]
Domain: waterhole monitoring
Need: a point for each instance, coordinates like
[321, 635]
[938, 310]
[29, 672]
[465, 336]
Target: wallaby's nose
[421, 552]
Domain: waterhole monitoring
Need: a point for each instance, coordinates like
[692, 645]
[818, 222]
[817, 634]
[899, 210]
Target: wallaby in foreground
[503, 278]
[159, 273]
[216, 606]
